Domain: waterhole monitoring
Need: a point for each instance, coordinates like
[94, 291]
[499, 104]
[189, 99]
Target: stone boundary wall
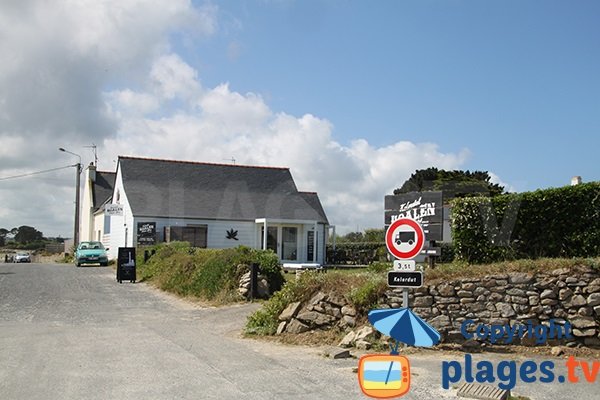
[562, 295]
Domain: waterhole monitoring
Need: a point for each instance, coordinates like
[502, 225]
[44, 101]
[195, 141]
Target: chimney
[576, 180]
[92, 172]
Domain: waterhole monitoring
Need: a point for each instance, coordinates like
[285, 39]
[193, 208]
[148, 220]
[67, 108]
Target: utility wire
[36, 173]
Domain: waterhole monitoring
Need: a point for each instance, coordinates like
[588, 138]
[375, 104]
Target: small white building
[98, 187]
[208, 205]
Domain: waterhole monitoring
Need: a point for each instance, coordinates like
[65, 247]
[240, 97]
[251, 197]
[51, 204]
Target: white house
[209, 205]
[97, 191]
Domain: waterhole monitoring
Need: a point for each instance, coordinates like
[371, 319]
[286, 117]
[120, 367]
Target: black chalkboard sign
[126, 264]
[424, 207]
[146, 233]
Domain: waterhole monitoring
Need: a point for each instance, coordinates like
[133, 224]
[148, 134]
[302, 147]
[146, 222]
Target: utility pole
[77, 184]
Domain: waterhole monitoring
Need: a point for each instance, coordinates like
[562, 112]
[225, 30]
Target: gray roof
[180, 189]
[102, 188]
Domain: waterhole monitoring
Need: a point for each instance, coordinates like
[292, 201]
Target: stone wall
[571, 295]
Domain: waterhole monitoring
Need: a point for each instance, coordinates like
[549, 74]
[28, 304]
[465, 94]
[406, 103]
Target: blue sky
[352, 96]
[515, 82]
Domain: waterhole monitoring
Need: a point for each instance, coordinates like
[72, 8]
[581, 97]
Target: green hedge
[561, 222]
[357, 253]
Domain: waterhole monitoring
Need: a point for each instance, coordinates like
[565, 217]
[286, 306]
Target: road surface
[75, 333]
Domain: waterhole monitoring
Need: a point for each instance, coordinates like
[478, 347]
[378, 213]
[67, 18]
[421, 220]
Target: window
[195, 235]
[106, 224]
[271, 238]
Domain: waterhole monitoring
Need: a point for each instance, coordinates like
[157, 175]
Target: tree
[352, 237]
[3, 233]
[453, 183]
[374, 235]
[369, 235]
[28, 234]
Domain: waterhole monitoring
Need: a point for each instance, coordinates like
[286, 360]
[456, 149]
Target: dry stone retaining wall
[571, 295]
[562, 295]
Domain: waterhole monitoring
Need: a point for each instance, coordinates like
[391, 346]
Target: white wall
[85, 216]
[119, 225]
[216, 230]
[99, 226]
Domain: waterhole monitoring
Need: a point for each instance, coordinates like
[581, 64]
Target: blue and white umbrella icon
[404, 326]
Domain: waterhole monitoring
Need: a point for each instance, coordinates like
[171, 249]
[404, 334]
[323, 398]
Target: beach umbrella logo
[404, 326]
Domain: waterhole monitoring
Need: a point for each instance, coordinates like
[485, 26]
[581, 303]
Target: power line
[35, 173]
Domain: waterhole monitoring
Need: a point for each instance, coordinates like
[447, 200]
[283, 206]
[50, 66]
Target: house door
[289, 243]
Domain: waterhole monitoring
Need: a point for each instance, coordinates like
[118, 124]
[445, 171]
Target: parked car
[91, 253]
[22, 258]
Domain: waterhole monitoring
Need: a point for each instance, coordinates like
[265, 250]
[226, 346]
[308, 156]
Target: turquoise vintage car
[91, 253]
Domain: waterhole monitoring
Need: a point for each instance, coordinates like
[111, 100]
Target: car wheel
[104, 264]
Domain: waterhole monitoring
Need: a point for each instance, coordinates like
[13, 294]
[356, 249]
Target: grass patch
[457, 270]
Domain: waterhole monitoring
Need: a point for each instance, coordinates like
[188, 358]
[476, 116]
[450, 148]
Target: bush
[366, 296]
[361, 289]
[562, 222]
[206, 273]
[448, 252]
[380, 267]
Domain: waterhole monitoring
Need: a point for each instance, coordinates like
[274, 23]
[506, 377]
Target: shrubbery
[562, 222]
[358, 253]
[211, 274]
[362, 290]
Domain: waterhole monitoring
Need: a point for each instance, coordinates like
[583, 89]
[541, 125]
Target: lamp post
[77, 182]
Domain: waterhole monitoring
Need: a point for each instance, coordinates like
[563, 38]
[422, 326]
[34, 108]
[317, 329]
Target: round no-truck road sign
[405, 238]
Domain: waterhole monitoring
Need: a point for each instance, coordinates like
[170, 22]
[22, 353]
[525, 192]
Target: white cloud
[496, 179]
[58, 59]
[77, 72]
[172, 77]
[351, 180]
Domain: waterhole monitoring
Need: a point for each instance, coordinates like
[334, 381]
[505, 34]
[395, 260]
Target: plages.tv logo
[384, 376]
[506, 373]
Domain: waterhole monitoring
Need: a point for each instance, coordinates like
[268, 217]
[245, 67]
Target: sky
[352, 96]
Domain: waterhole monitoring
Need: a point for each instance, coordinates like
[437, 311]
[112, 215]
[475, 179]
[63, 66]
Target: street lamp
[78, 172]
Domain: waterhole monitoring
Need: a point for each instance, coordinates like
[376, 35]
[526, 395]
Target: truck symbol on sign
[405, 237]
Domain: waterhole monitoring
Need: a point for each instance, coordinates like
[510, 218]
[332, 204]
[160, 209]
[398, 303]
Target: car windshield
[91, 245]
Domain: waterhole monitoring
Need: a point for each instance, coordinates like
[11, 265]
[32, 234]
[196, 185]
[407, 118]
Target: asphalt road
[75, 333]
